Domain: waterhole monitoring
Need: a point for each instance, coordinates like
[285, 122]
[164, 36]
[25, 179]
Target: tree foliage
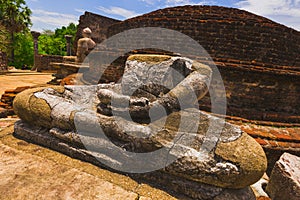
[54, 43]
[24, 52]
[15, 17]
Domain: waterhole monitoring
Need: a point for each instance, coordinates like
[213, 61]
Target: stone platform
[65, 69]
[21, 78]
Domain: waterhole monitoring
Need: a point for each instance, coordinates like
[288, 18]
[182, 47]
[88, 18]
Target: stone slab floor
[29, 171]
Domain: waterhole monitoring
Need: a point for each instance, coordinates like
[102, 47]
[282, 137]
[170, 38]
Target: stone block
[285, 178]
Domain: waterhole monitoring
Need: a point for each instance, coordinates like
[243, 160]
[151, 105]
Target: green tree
[54, 42]
[15, 16]
[49, 44]
[24, 51]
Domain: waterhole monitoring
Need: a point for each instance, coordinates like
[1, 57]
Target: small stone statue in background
[85, 45]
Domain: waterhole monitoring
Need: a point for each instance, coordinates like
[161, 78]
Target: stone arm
[91, 44]
[188, 91]
[110, 100]
[184, 95]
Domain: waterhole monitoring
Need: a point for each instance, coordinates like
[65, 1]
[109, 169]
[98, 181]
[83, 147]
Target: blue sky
[51, 14]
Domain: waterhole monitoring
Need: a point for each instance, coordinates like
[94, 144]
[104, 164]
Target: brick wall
[3, 62]
[97, 23]
[42, 62]
[260, 94]
[225, 32]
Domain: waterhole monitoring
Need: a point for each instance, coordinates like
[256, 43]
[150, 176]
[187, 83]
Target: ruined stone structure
[97, 23]
[3, 62]
[43, 62]
[7, 98]
[258, 58]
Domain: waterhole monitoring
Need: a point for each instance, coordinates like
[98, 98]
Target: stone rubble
[284, 181]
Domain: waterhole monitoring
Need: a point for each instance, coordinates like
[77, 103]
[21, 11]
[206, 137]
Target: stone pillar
[35, 36]
[69, 49]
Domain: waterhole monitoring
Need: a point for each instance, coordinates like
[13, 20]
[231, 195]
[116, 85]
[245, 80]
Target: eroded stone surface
[186, 141]
[285, 178]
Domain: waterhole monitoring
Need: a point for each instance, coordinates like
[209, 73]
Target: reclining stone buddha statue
[152, 108]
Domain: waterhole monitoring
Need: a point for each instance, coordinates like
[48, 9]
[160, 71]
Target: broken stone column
[285, 178]
[69, 49]
[35, 36]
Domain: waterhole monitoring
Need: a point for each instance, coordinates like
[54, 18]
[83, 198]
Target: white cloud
[286, 12]
[186, 2]
[80, 10]
[149, 2]
[178, 2]
[118, 11]
[167, 3]
[282, 11]
[43, 19]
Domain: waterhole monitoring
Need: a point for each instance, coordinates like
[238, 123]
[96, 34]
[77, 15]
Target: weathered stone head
[87, 32]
